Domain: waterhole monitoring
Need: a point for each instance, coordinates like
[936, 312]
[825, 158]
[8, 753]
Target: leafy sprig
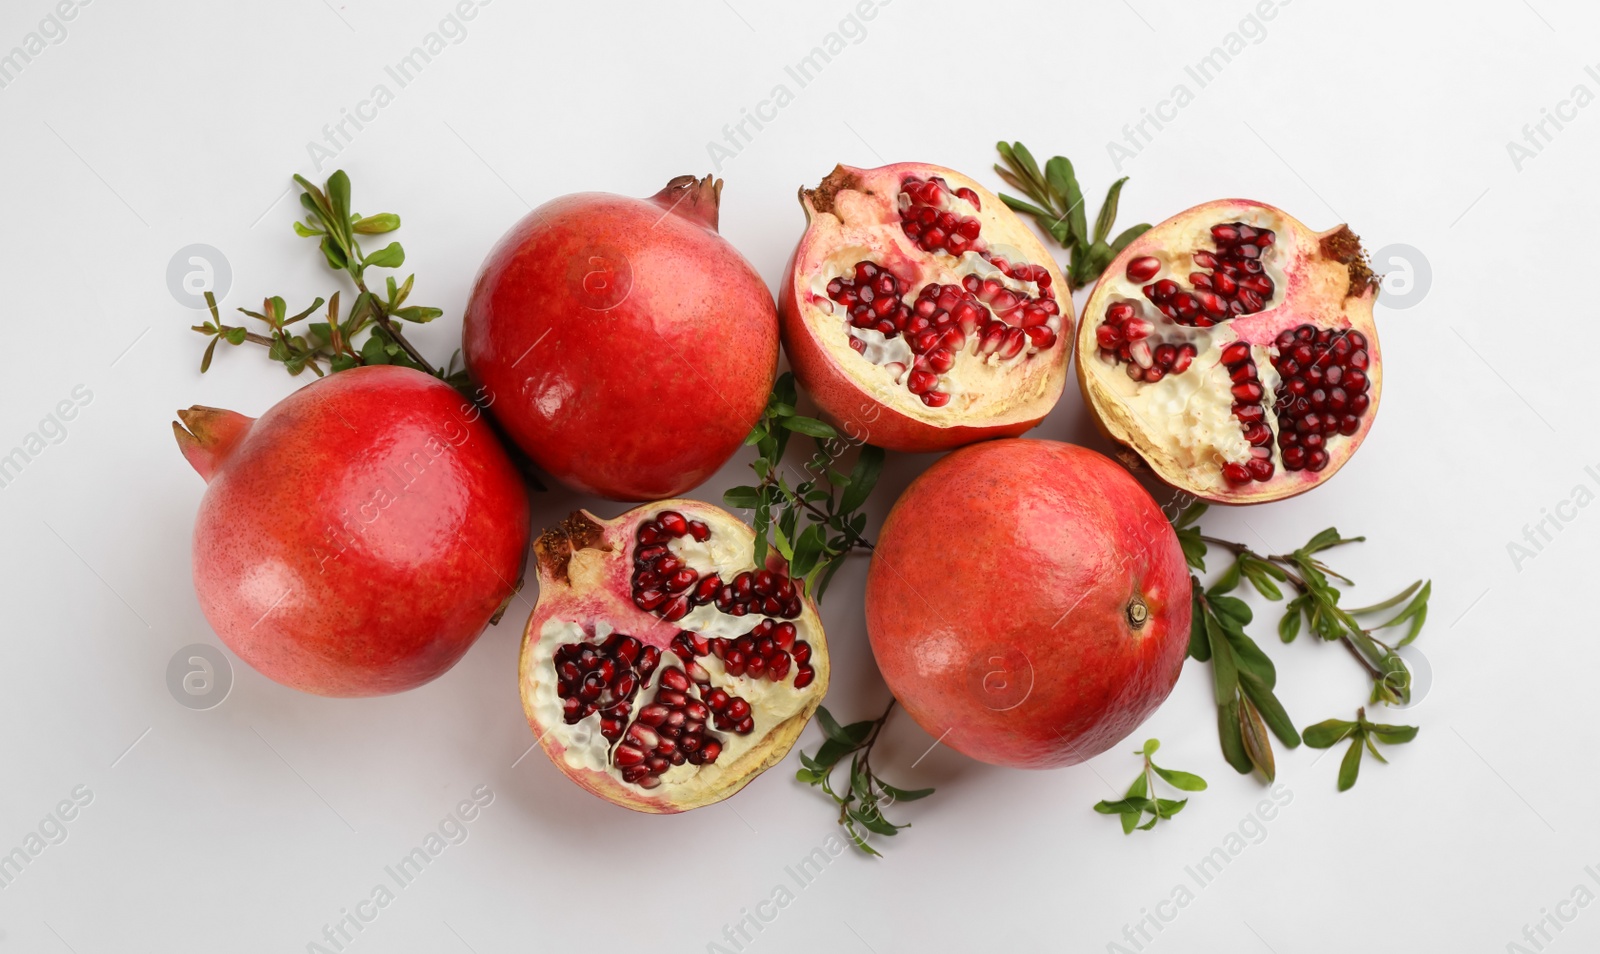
[1140, 800]
[337, 342]
[865, 795]
[1361, 734]
[1244, 675]
[814, 521]
[1057, 205]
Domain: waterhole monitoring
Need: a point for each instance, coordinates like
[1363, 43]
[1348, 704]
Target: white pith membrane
[987, 382]
[1184, 424]
[778, 710]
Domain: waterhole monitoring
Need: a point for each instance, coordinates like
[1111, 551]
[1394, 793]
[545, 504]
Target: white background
[247, 827]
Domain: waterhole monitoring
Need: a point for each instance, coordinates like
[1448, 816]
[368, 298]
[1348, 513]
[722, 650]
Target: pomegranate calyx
[1138, 612]
[208, 435]
[1344, 247]
[556, 545]
[841, 179]
[694, 199]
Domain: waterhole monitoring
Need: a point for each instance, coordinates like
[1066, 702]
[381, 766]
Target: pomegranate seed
[1260, 468]
[931, 399]
[1141, 270]
[1236, 473]
[1249, 392]
[804, 676]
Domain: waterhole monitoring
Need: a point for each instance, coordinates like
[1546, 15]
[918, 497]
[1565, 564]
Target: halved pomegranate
[920, 313]
[662, 669]
[1234, 350]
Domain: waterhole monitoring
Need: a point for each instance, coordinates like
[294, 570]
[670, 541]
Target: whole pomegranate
[357, 538]
[920, 313]
[1028, 603]
[624, 345]
[1233, 349]
[662, 668]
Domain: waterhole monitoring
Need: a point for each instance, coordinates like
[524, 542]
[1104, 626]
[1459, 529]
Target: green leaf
[1263, 583]
[390, 256]
[1231, 606]
[1108, 211]
[1167, 807]
[1140, 787]
[1227, 582]
[205, 359]
[1190, 515]
[1231, 737]
[1062, 180]
[742, 498]
[334, 254]
[1194, 549]
[305, 231]
[863, 477]
[235, 336]
[1289, 625]
[1129, 821]
[1248, 656]
[373, 351]
[1150, 747]
[1393, 734]
[831, 751]
[1224, 671]
[1270, 709]
[808, 549]
[1327, 733]
[1126, 237]
[1199, 642]
[808, 425]
[874, 822]
[1257, 747]
[905, 795]
[1389, 603]
[1416, 612]
[1017, 205]
[376, 224]
[339, 196]
[1183, 781]
[417, 314]
[1350, 766]
[829, 725]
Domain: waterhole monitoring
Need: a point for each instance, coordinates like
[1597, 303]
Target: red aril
[622, 343]
[920, 313]
[1234, 350]
[662, 669]
[1028, 603]
[356, 538]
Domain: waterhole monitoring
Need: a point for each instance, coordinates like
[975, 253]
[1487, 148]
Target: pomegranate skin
[1028, 603]
[358, 537]
[622, 343]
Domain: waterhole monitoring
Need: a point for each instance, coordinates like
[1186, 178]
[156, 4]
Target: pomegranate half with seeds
[1028, 603]
[623, 344]
[1234, 350]
[662, 669]
[919, 312]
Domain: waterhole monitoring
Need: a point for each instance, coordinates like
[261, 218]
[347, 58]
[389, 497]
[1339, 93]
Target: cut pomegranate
[1234, 351]
[920, 313]
[649, 680]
